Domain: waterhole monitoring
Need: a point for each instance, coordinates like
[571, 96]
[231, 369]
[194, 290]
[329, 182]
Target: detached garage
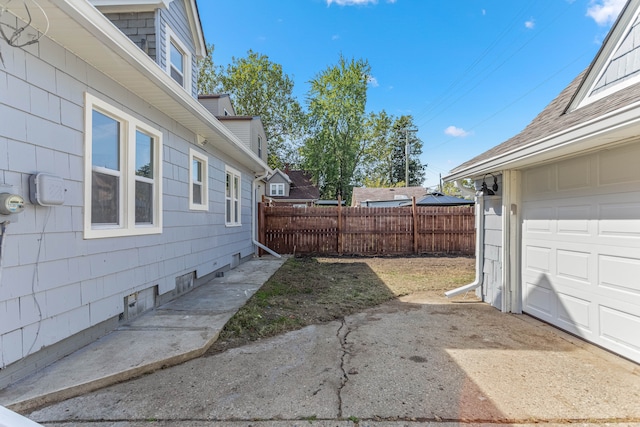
[560, 236]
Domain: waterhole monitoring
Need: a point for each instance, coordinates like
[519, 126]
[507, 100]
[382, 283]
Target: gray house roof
[362, 194]
[439, 199]
[565, 125]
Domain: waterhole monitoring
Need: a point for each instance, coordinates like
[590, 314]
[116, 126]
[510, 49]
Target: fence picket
[368, 231]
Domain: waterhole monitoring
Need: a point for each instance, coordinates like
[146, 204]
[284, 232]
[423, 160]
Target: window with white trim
[232, 197]
[276, 189]
[178, 60]
[198, 181]
[123, 171]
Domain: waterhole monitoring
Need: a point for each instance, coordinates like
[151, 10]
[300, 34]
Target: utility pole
[406, 155]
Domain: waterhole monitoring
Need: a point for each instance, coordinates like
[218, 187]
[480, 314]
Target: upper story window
[123, 171]
[178, 60]
[198, 181]
[260, 147]
[232, 197]
[276, 189]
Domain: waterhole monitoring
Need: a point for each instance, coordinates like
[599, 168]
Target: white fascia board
[135, 70]
[611, 128]
[196, 28]
[122, 6]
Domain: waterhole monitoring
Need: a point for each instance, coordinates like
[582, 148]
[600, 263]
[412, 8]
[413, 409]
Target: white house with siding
[559, 216]
[122, 190]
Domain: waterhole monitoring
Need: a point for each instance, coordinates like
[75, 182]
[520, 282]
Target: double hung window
[232, 197]
[198, 181]
[276, 189]
[178, 60]
[122, 173]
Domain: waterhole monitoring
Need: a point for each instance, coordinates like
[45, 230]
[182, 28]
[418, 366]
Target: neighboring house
[133, 191]
[560, 237]
[292, 188]
[380, 197]
[439, 199]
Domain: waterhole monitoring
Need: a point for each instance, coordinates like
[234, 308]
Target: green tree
[376, 163]
[208, 75]
[259, 87]
[404, 138]
[336, 111]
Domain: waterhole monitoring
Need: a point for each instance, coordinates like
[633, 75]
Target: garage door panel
[620, 275]
[619, 330]
[538, 219]
[573, 265]
[537, 259]
[619, 220]
[574, 174]
[539, 300]
[574, 219]
[619, 165]
[574, 313]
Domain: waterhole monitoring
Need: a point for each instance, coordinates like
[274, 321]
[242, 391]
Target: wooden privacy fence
[410, 230]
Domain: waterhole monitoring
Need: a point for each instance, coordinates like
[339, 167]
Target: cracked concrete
[341, 334]
[399, 364]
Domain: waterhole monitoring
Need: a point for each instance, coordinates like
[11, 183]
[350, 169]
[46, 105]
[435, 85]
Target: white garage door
[581, 247]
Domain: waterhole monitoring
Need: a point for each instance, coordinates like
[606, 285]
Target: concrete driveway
[408, 362]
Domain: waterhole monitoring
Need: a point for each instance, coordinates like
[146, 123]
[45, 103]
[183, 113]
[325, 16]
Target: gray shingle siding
[83, 282]
[140, 27]
[624, 63]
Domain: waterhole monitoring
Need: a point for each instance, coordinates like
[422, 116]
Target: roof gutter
[479, 252]
[618, 125]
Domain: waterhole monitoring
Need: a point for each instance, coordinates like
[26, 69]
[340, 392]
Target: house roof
[82, 29]
[361, 194]
[564, 126]
[439, 199]
[301, 187]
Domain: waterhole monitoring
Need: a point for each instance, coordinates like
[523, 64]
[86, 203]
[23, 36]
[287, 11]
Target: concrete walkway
[178, 331]
[405, 363]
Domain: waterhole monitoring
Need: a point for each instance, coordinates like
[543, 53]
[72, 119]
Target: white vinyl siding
[198, 181]
[123, 171]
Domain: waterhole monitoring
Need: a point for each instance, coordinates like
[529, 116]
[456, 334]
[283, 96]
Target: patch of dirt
[310, 290]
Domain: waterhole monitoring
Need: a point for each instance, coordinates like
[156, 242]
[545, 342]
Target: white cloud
[372, 81]
[484, 12]
[605, 12]
[530, 24]
[456, 132]
[335, 37]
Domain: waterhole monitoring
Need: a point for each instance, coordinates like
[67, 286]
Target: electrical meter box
[11, 203]
[46, 189]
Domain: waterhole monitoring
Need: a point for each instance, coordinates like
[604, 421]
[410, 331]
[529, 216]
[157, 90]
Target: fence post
[339, 225]
[415, 224]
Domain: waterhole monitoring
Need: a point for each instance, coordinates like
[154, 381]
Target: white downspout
[479, 251]
[254, 219]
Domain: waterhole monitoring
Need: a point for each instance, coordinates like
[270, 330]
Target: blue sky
[472, 73]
